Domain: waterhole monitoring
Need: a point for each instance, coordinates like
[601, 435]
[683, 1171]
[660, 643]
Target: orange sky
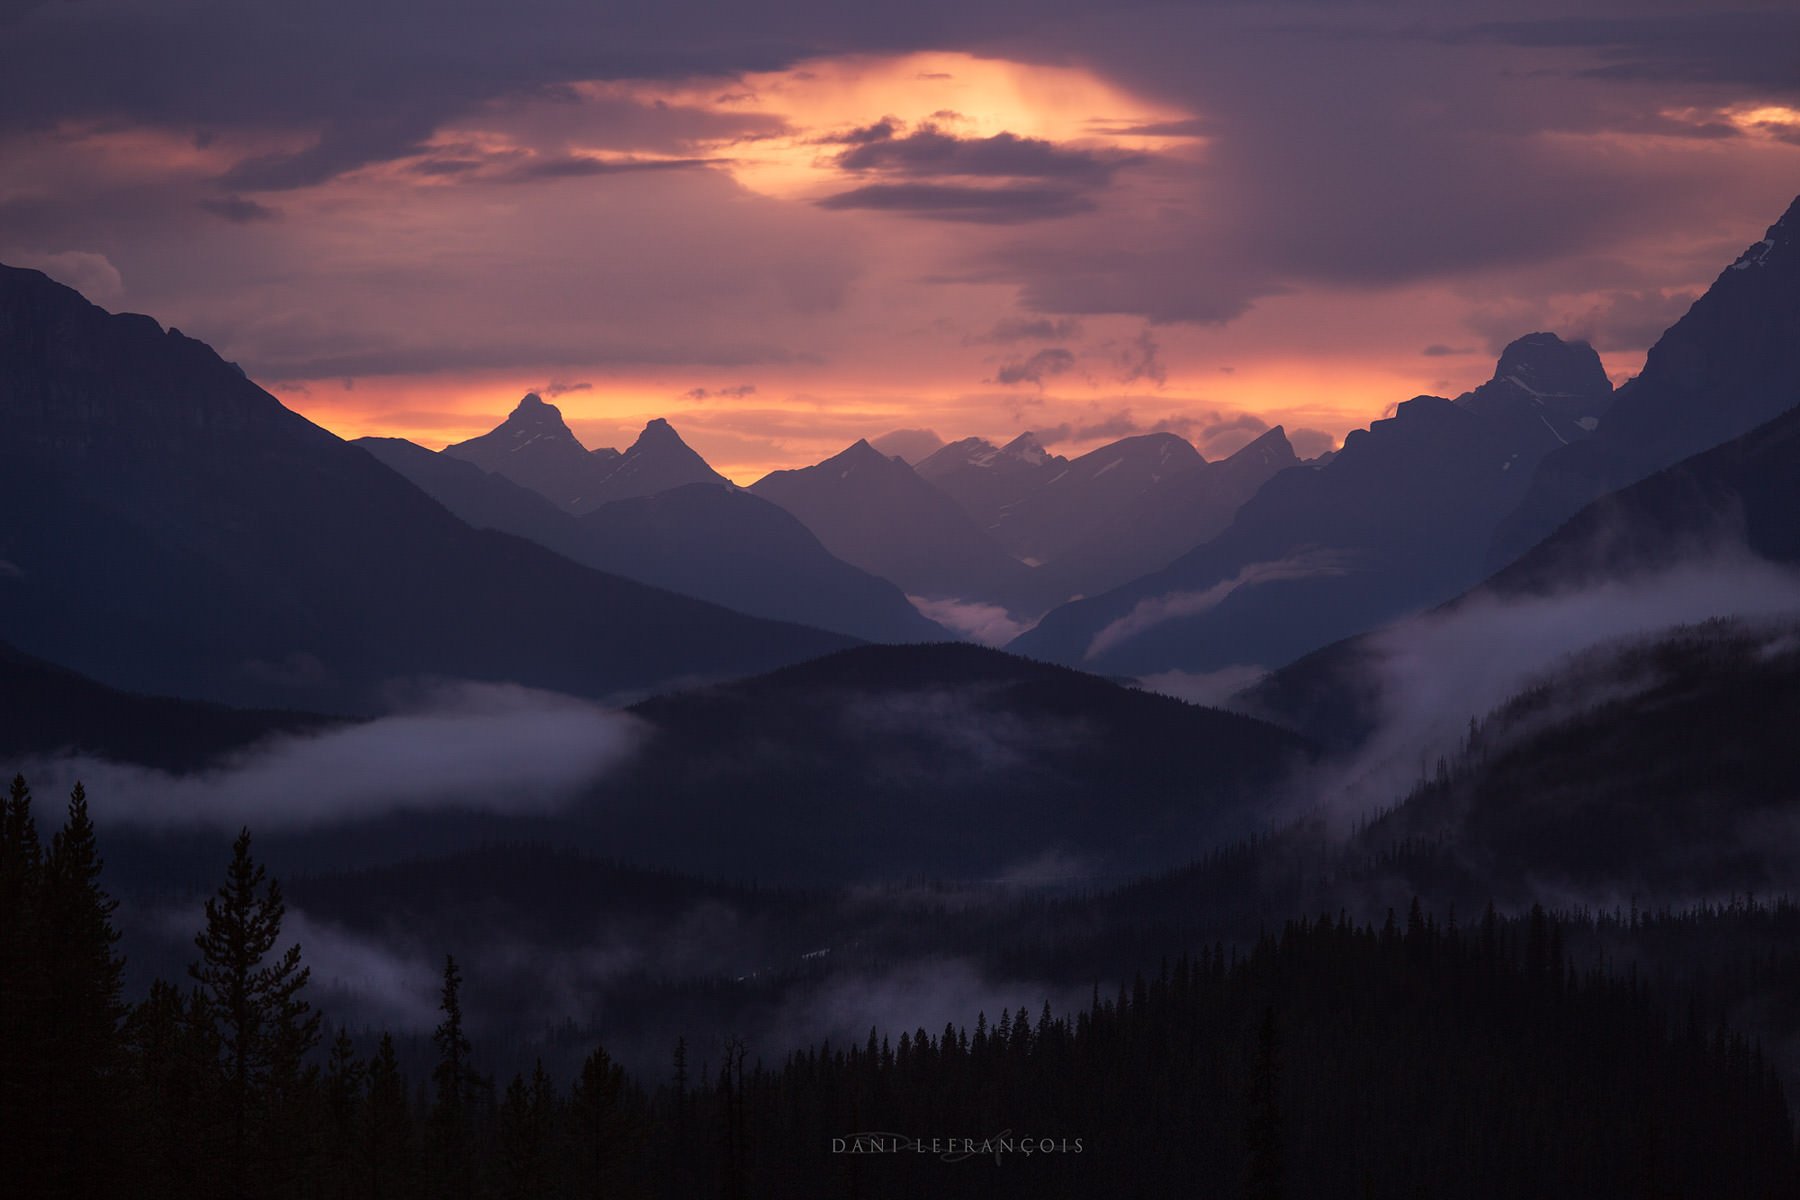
[730, 252]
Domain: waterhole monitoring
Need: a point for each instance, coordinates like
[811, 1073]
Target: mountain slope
[167, 526]
[1735, 498]
[985, 479]
[719, 544]
[50, 710]
[878, 514]
[1072, 502]
[935, 761]
[1729, 364]
[1395, 521]
[1173, 515]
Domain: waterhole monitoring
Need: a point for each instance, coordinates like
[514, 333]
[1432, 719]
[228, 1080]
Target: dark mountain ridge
[168, 527]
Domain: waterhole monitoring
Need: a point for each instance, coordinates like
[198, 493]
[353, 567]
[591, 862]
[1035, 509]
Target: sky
[788, 224]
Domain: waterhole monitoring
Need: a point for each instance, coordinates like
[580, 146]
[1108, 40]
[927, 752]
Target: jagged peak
[1271, 441]
[1572, 365]
[658, 432]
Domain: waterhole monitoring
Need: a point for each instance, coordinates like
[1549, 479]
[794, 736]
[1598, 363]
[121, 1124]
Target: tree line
[1330, 1058]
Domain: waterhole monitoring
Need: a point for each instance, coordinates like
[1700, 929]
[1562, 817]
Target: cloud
[238, 210]
[1028, 329]
[1438, 670]
[1627, 320]
[1149, 613]
[555, 389]
[1139, 360]
[1439, 350]
[1224, 435]
[477, 748]
[1744, 47]
[988, 624]
[730, 393]
[583, 166]
[973, 205]
[1040, 366]
[1310, 443]
[930, 152]
[913, 445]
[93, 275]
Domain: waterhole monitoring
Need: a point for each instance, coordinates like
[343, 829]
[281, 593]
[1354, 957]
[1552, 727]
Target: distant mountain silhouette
[1075, 500]
[658, 461]
[717, 543]
[1731, 363]
[1156, 525]
[1108, 517]
[1395, 521]
[987, 480]
[167, 526]
[877, 513]
[534, 448]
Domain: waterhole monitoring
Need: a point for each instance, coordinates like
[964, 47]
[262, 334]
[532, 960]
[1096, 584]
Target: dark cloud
[1628, 320]
[1310, 443]
[1112, 426]
[1036, 369]
[1224, 435]
[239, 210]
[1139, 360]
[930, 152]
[1439, 350]
[577, 166]
[974, 205]
[555, 389]
[730, 393]
[1746, 47]
[1028, 329]
[865, 135]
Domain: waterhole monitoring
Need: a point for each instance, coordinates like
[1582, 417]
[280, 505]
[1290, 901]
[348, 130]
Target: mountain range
[1729, 364]
[1397, 519]
[536, 449]
[704, 539]
[167, 526]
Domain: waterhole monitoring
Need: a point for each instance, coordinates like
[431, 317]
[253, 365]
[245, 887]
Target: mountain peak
[1781, 235]
[1543, 363]
[658, 431]
[1271, 445]
[1027, 448]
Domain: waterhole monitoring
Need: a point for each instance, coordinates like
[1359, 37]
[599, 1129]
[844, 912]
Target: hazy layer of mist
[472, 747]
[1438, 670]
[988, 624]
[1148, 613]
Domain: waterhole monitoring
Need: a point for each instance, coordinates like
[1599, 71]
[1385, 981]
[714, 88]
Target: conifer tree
[253, 1004]
[454, 1083]
[600, 1127]
[82, 990]
[387, 1126]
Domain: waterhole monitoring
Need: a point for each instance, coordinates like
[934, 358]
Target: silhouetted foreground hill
[49, 710]
[941, 761]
